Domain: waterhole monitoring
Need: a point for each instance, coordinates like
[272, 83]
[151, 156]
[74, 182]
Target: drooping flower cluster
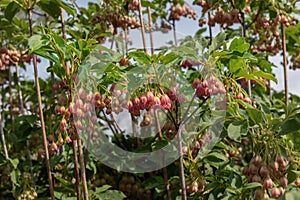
[209, 87]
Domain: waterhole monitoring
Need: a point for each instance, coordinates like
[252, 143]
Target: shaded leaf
[217, 42]
[11, 10]
[255, 115]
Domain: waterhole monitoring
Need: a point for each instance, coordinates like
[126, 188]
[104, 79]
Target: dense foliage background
[51, 127]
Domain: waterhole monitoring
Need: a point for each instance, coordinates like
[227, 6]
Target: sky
[189, 27]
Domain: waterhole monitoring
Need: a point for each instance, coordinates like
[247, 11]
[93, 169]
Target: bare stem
[244, 36]
[182, 177]
[3, 137]
[76, 170]
[157, 124]
[19, 89]
[41, 112]
[23, 111]
[82, 167]
[150, 25]
[134, 130]
[63, 30]
[142, 25]
[126, 43]
[285, 64]
[210, 30]
[165, 172]
[174, 32]
[10, 99]
[79, 143]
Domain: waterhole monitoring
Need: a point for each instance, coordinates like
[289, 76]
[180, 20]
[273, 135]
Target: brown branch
[150, 25]
[3, 138]
[142, 25]
[76, 169]
[39, 98]
[79, 142]
[210, 31]
[174, 32]
[10, 99]
[165, 172]
[182, 177]
[82, 167]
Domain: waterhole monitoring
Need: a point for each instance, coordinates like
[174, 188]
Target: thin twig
[39, 98]
[76, 5]
[256, 16]
[184, 120]
[283, 40]
[126, 42]
[189, 107]
[113, 130]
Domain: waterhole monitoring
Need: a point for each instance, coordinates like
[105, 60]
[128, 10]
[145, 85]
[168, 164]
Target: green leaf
[236, 181]
[262, 84]
[51, 7]
[234, 131]
[153, 182]
[292, 175]
[14, 162]
[186, 52]
[14, 177]
[265, 64]
[59, 40]
[45, 54]
[11, 10]
[216, 156]
[35, 42]
[170, 59]
[239, 45]
[111, 194]
[290, 126]
[236, 64]
[264, 75]
[250, 57]
[252, 185]
[63, 181]
[158, 144]
[255, 115]
[292, 195]
[58, 69]
[217, 42]
[69, 8]
[102, 189]
[141, 57]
